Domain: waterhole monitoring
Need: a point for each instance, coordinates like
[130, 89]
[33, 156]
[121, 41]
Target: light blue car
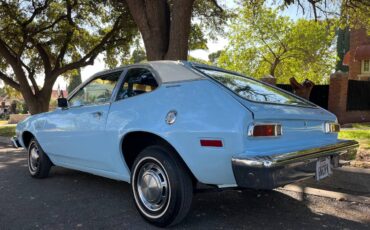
[167, 126]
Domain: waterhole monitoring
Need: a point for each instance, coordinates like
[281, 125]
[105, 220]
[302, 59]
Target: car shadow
[71, 199]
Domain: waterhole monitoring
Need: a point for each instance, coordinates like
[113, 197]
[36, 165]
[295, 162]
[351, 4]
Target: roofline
[146, 63]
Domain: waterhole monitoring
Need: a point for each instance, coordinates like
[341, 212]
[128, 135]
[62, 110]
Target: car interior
[137, 81]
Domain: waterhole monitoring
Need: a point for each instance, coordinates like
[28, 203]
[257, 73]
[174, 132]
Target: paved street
[74, 200]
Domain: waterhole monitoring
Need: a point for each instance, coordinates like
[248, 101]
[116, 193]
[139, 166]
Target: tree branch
[9, 81]
[35, 12]
[89, 58]
[45, 58]
[51, 25]
[32, 79]
[217, 5]
[7, 54]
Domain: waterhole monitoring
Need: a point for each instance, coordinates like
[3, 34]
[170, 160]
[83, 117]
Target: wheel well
[26, 137]
[133, 143]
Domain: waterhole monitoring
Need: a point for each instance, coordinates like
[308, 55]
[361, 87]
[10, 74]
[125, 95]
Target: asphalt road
[74, 200]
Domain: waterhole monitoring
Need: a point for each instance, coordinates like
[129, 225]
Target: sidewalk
[5, 140]
[346, 183]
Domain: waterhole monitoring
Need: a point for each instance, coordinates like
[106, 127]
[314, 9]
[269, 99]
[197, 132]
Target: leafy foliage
[74, 80]
[43, 39]
[352, 13]
[342, 48]
[213, 57]
[261, 42]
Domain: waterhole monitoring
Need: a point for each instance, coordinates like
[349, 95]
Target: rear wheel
[161, 186]
[39, 163]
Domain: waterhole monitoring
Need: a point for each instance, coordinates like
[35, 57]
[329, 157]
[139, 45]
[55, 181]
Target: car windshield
[252, 90]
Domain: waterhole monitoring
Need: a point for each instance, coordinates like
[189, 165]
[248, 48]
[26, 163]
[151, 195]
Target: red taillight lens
[211, 143]
[265, 130]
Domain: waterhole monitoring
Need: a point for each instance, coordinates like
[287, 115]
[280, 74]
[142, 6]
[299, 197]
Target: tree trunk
[38, 102]
[274, 66]
[37, 105]
[180, 30]
[165, 31]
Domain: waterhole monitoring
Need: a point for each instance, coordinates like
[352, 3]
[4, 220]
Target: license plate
[323, 168]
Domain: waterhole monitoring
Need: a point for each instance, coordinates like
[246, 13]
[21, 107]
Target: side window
[98, 91]
[137, 81]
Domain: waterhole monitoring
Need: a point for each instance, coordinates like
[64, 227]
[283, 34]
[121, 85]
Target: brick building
[358, 56]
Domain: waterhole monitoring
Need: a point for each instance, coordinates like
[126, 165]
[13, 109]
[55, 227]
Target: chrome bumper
[15, 142]
[268, 172]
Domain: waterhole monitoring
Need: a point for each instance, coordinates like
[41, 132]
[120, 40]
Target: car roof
[167, 71]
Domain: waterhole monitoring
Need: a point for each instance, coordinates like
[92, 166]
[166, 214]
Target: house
[358, 56]
[56, 93]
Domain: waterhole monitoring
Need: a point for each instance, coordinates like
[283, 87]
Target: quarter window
[137, 81]
[98, 91]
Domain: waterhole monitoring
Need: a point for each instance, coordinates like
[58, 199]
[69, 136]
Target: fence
[319, 94]
[358, 95]
[348, 99]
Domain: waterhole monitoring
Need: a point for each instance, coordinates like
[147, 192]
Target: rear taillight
[331, 127]
[265, 130]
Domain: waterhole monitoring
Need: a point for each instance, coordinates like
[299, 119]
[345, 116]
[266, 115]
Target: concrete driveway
[74, 200]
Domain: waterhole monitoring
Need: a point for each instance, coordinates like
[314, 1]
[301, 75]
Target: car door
[77, 137]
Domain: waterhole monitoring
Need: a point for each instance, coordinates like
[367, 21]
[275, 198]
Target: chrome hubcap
[34, 158]
[152, 186]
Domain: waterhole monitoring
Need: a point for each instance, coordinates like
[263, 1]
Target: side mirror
[62, 102]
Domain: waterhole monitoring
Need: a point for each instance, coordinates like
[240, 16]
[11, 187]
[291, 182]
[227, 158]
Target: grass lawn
[361, 133]
[3, 122]
[7, 130]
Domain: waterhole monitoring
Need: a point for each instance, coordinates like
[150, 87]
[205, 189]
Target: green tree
[74, 80]
[167, 26]
[213, 57]
[43, 39]
[261, 42]
[342, 48]
[352, 13]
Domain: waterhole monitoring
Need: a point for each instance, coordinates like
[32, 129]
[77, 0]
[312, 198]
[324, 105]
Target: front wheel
[162, 187]
[39, 163]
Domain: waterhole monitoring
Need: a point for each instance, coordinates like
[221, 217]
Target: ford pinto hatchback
[166, 126]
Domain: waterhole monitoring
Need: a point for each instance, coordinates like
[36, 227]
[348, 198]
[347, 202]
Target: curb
[324, 193]
[354, 170]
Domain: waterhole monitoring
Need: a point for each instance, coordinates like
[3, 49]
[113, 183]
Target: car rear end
[289, 139]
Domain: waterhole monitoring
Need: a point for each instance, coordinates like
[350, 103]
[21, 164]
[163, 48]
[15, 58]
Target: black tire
[169, 202]
[38, 166]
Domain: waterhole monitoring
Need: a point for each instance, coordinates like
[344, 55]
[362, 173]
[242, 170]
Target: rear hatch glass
[253, 90]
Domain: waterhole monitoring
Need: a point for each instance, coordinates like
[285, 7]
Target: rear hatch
[302, 128]
[302, 122]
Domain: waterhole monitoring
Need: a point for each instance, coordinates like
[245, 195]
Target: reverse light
[331, 127]
[265, 130]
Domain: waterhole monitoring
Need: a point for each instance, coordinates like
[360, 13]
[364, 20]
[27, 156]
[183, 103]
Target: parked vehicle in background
[165, 126]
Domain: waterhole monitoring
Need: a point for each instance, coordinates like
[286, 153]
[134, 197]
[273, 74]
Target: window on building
[365, 66]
